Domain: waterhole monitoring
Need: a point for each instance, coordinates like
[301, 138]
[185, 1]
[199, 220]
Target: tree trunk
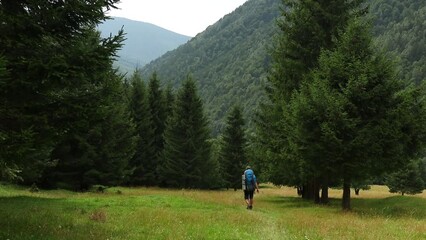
[308, 190]
[357, 191]
[316, 191]
[324, 195]
[346, 200]
[300, 190]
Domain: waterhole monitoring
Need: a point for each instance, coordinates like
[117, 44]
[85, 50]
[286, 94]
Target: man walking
[249, 184]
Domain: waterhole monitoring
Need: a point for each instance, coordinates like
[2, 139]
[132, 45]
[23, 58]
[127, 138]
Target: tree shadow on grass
[391, 207]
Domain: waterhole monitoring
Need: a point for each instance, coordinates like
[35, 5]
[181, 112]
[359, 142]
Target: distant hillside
[230, 58]
[144, 41]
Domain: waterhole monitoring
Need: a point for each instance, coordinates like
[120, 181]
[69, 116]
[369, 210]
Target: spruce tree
[157, 110]
[64, 103]
[306, 28]
[95, 120]
[113, 137]
[233, 150]
[406, 180]
[354, 119]
[186, 157]
[143, 164]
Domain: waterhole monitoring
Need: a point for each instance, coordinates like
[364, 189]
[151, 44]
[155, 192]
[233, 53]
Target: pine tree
[233, 150]
[143, 164]
[158, 113]
[407, 180]
[44, 44]
[186, 156]
[113, 137]
[306, 28]
[95, 120]
[354, 119]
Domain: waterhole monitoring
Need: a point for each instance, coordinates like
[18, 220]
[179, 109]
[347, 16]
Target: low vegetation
[152, 213]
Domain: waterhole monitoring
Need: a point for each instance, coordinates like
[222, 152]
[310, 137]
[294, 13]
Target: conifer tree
[233, 150]
[96, 121]
[354, 118]
[406, 180]
[186, 157]
[306, 28]
[157, 110]
[62, 94]
[143, 164]
[113, 137]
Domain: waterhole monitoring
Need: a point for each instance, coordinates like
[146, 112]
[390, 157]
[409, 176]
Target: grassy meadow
[152, 213]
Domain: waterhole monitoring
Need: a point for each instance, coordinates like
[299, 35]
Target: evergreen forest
[312, 94]
[231, 58]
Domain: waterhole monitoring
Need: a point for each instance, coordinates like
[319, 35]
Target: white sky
[187, 17]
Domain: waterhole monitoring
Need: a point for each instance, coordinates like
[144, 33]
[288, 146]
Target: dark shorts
[248, 194]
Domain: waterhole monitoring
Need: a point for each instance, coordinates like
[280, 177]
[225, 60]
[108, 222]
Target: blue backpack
[249, 180]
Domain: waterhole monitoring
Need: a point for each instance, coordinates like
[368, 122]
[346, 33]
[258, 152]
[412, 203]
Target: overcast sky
[187, 17]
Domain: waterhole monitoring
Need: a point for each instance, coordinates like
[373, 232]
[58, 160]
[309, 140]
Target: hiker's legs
[247, 198]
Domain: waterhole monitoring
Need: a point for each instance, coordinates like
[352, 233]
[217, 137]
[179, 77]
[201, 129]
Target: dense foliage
[336, 112]
[407, 180]
[401, 29]
[142, 165]
[62, 103]
[298, 45]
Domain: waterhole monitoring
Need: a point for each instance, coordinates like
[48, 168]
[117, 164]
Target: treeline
[69, 120]
[174, 144]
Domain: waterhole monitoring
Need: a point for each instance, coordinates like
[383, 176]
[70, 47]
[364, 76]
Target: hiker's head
[248, 167]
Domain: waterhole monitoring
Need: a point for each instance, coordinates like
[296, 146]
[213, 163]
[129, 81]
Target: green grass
[151, 213]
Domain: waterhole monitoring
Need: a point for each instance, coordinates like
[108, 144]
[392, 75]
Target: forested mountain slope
[230, 59]
[400, 27]
[144, 41]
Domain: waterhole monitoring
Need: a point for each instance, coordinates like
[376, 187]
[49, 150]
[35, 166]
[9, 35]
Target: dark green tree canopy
[62, 103]
[233, 149]
[143, 164]
[186, 158]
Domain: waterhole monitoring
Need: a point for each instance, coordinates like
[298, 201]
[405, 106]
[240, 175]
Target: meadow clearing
[154, 213]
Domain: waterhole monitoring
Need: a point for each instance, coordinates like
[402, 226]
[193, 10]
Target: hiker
[249, 184]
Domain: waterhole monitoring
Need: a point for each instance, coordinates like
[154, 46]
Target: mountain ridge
[144, 41]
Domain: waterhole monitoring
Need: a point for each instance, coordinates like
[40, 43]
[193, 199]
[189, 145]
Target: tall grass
[152, 213]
